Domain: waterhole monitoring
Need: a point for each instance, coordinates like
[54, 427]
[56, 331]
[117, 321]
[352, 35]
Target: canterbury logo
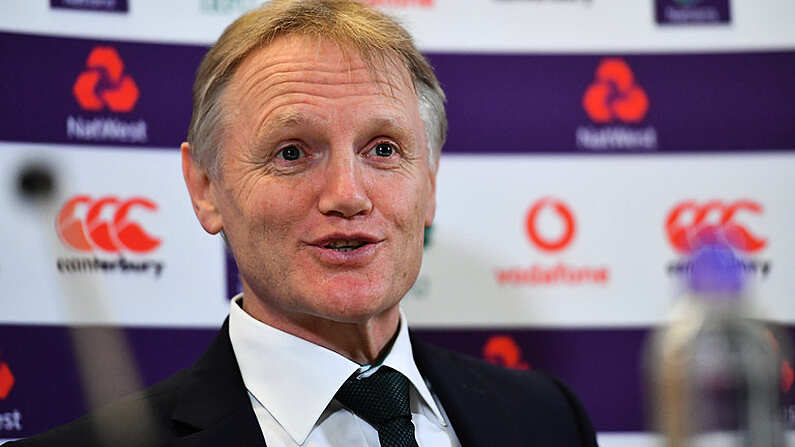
[502, 350]
[710, 223]
[94, 232]
[614, 95]
[104, 84]
[564, 214]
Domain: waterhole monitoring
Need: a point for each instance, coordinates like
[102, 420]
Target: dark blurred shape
[36, 182]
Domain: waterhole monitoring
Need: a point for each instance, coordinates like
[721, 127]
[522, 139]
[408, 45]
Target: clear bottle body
[715, 376]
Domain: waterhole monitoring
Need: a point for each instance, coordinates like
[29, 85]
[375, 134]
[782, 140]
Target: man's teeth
[344, 246]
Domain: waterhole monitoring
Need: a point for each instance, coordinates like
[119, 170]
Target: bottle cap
[715, 269]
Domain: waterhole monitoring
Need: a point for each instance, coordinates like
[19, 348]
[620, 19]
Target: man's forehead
[296, 57]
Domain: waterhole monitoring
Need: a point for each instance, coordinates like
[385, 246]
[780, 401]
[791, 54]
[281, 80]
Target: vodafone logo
[690, 225]
[550, 226]
[614, 95]
[94, 231]
[104, 84]
[504, 351]
[6, 380]
[564, 215]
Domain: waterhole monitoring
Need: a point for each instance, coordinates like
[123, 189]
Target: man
[313, 149]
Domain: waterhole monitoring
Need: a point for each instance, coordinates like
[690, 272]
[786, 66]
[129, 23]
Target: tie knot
[379, 398]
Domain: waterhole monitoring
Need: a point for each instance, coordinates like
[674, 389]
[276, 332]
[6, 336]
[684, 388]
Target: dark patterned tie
[383, 401]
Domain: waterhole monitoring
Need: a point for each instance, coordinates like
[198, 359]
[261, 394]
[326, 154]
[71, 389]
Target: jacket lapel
[477, 410]
[214, 407]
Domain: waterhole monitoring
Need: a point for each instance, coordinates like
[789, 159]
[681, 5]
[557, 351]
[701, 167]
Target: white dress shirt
[292, 382]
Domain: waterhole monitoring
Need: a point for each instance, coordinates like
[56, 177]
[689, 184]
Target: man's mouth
[343, 246]
[350, 249]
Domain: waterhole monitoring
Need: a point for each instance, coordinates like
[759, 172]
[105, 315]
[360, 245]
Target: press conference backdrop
[591, 142]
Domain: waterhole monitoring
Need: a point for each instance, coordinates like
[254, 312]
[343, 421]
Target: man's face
[325, 185]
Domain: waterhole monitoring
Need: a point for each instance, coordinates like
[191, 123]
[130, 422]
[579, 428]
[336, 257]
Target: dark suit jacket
[207, 405]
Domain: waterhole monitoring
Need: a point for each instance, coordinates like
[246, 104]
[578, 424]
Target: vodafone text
[558, 274]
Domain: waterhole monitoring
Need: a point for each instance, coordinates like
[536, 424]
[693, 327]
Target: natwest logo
[504, 351]
[94, 232]
[6, 380]
[550, 226]
[104, 225]
[11, 420]
[691, 225]
[104, 84]
[615, 97]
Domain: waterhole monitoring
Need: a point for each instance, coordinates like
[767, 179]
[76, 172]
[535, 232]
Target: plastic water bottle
[715, 371]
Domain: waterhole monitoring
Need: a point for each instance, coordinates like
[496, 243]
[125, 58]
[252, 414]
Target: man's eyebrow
[292, 119]
[275, 123]
[391, 124]
[389, 121]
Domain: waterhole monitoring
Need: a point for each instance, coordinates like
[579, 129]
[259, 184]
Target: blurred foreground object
[714, 371]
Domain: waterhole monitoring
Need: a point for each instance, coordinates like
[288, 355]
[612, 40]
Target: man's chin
[356, 309]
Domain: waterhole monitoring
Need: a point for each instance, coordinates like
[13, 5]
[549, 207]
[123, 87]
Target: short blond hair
[375, 36]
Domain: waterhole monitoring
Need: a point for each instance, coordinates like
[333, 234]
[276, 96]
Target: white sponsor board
[482, 267]
[446, 25]
[47, 278]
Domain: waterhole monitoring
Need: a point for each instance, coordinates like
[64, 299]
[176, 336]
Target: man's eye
[383, 150]
[290, 153]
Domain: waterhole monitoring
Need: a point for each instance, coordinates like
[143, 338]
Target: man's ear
[202, 192]
[430, 210]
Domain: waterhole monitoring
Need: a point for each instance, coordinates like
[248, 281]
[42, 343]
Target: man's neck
[363, 342]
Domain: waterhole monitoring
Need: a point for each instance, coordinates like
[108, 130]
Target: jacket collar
[298, 370]
[477, 410]
[214, 402]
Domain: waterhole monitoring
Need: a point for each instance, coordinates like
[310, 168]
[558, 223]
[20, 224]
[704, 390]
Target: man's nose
[344, 192]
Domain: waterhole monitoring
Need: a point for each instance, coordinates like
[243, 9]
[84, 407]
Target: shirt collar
[280, 369]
